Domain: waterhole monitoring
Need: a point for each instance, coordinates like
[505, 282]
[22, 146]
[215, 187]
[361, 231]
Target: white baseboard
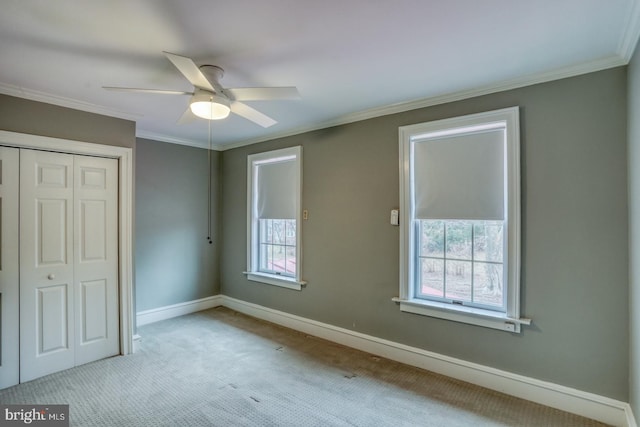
[136, 342]
[175, 310]
[631, 419]
[586, 404]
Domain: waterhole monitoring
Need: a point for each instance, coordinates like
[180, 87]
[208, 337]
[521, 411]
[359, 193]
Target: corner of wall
[633, 154]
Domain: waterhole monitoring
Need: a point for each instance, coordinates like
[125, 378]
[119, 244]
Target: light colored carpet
[221, 368]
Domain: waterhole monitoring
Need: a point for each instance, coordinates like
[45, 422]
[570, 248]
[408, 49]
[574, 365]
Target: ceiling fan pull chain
[209, 190]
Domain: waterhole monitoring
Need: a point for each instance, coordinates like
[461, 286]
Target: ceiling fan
[211, 101]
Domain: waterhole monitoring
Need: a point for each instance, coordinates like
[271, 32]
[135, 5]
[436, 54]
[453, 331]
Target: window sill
[469, 315]
[275, 280]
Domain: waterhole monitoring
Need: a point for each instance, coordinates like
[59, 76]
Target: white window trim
[511, 320]
[276, 280]
[253, 272]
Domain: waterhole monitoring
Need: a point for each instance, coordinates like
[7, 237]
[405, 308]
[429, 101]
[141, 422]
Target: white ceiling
[350, 59]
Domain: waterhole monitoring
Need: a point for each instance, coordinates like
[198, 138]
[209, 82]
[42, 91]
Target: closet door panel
[51, 308]
[9, 268]
[94, 326]
[51, 232]
[96, 258]
[47, 332]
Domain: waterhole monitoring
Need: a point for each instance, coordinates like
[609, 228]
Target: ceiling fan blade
[190, 70]
[135, 89]
[262, 93]
[251, 114]
[187, 117]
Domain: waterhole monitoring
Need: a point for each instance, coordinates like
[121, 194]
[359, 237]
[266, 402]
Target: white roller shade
[276, 189]
[460, 176]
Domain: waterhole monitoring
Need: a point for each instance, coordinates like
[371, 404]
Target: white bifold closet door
[68, 261]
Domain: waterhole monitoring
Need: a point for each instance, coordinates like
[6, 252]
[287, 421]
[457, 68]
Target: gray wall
[38, 118]
[634, 232]
[575, 267]
[174, 261]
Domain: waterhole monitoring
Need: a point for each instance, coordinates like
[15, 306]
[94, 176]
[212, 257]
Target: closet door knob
[51, 276]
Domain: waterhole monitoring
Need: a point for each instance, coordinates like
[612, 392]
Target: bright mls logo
[34, 415]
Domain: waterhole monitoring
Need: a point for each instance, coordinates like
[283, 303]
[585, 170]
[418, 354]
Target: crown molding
[626, 48]
[631, 32]
[61, 101]
[588, 67]
[145, 134]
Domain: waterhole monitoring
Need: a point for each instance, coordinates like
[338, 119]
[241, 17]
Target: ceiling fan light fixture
[209, 106]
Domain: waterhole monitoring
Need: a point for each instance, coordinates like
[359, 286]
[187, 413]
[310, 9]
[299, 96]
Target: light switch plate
[395, 217]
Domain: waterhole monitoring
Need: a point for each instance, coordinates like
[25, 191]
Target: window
[461, 262]
[460, 225]
[273, 246]
[277, 246]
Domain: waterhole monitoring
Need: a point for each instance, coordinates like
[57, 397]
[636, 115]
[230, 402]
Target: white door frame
[125, 211]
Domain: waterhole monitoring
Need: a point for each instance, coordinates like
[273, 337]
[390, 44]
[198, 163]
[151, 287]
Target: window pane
[488, 241]
[432, 238]
[279, 255]
[458, 280]
[278, 231]
[291, 232]
[458, 239]
[270, 231]
[431, 277]
[487, 284]
[264, 257]
[290, 265]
